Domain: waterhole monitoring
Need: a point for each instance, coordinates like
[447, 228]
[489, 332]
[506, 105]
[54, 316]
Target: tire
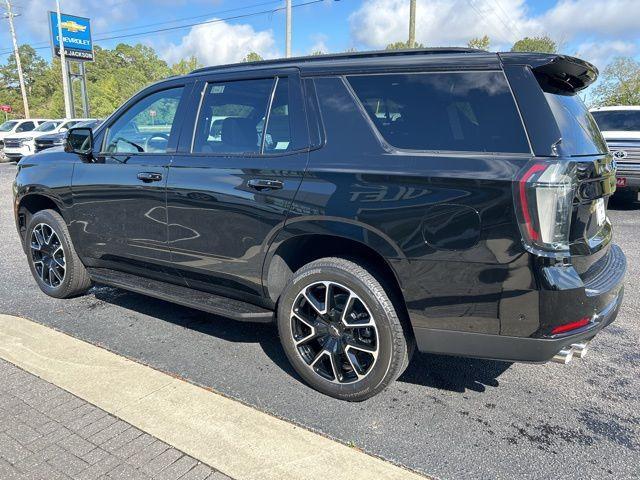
[53, 261]
[370, 344]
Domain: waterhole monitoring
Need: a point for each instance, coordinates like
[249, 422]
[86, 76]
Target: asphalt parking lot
[445, 417]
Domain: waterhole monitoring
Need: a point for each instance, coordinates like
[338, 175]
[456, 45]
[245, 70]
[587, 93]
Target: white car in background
[11, 127]
[22, 144]
[620, 127]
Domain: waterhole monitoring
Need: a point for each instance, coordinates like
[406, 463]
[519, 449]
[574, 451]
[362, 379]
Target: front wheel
[340, 330]
[53, 261]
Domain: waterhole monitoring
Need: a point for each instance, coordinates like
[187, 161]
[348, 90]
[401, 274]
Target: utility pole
[63, 63]
[288, 34]
[412, 24]
[10, 16]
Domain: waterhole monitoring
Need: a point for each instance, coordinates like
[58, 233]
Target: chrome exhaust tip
[579, 349]
[564, 356]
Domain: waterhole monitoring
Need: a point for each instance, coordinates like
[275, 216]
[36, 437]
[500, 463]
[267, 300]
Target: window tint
[579, 131]
[146, 127]
[26, 127]
[625, 120]
[466, 111]
[7, 126]
[278, 136]
[315, 135]
[232, 117]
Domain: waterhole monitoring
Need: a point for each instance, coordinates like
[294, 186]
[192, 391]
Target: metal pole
[25, 102]
[288, 34]
[63, 63]
[412, 24]
[83, 87]
[71, 77]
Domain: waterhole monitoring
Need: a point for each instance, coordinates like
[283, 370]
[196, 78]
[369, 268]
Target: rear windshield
[579, 131]
[624, 120]
[453, 111]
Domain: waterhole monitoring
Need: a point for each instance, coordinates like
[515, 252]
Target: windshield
[7, 126]
[625, 120]
[47, 126]
[87, 124]
[579, 131]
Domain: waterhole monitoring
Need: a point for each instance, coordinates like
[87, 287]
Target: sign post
[71, 41]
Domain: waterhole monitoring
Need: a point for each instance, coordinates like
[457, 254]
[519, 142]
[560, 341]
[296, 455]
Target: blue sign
[76, 36]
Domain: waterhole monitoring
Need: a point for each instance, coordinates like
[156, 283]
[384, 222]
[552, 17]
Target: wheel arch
[29, 204]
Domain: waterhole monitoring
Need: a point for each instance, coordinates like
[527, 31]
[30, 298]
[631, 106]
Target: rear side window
[579, 132]
[457, 111]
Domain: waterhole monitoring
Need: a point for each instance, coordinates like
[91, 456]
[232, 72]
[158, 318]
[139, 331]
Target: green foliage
[542, 44]
[185, 66]
[316, 53]
[619, 84]
[481, 43]
[252, 57]
[402, 45]
[32, 67]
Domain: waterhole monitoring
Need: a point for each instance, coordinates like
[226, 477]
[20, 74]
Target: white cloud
[601, 53]
[320, 44]
[221, 42]
[453, 22]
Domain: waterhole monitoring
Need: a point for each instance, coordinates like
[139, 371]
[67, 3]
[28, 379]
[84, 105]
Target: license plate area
[621, 182]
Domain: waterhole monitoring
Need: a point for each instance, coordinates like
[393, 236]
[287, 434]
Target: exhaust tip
[564, 356]
[579, 349]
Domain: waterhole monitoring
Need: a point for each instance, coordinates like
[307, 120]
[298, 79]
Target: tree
[402, 45]
[316, 53]
[481, 43]
[186, 66]
[542, 44]
[253, 57]
[32, 67]
[619, 84]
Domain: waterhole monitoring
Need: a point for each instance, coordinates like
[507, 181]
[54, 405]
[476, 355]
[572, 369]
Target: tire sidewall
[49, 219]
[361, 389]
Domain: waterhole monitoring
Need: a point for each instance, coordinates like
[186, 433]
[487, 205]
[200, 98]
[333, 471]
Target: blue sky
[593, 29]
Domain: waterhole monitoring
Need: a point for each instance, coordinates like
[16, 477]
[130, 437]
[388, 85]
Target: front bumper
[16, 153]
[601, 294]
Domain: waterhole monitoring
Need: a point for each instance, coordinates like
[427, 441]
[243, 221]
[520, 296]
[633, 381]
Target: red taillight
[567, 327]
[524, 203]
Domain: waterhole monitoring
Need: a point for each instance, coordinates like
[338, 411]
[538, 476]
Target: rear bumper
[601, 294]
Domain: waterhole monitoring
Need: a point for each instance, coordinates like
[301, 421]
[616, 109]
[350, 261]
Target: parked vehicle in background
[21, 144]
[367, 203]
[11, 127]
[620, 127]
[58, 139]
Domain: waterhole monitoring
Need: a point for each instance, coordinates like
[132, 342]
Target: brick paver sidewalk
[47, 433]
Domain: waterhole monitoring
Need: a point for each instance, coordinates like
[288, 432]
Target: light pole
[412, 24]
[63, 63]
[25, 102]
[288, 33]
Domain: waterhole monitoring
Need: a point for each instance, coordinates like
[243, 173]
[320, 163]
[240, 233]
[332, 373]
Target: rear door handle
[263, 184]
[148, 177]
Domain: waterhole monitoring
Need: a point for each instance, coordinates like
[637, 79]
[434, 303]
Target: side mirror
[79, 141]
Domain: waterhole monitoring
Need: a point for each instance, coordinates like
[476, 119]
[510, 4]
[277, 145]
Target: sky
[595, 30]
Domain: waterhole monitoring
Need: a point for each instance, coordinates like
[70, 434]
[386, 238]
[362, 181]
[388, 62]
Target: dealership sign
[76, 36]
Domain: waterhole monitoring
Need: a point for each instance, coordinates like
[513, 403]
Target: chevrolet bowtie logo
[72, 26]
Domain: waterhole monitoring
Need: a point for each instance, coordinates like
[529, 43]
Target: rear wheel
[341, 331]
[53, 260]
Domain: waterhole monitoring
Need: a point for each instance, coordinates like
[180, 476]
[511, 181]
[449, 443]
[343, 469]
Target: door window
[26, 127]
[147, 126]
[278, 136]
[232, 117]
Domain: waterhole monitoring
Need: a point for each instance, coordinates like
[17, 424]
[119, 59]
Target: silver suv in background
[620, 127]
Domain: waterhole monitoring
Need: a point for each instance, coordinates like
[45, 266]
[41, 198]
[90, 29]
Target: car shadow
[623, 205]
[433, 371]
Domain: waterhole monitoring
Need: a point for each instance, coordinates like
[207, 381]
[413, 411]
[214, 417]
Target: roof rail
[345, 56]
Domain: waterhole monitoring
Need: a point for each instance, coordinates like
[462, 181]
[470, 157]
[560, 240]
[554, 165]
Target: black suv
[449, 199]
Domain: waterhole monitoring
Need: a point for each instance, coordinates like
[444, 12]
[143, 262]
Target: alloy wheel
[47, 255]
[334, 332]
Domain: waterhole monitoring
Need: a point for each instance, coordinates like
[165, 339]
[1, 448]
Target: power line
[45, 44]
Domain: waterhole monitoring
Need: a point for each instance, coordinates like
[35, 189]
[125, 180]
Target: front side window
[278, 136]
[458, 111]
[232, 117]
[26, 127]
[146, 127]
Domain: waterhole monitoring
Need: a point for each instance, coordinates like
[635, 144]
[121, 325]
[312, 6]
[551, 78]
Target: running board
[208, 302]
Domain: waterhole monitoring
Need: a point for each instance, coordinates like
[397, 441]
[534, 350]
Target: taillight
[544, 202]
[567, 327]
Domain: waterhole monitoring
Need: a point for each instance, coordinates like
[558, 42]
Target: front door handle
[263, 184]
[148, 177]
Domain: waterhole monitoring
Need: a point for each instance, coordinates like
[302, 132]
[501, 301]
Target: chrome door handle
[148, 177]
[263, 184]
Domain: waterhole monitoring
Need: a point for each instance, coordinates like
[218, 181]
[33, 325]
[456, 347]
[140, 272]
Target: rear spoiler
[555, 73]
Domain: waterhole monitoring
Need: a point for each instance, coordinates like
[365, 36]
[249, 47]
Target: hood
[620, 135]
[52, 136]
[32, 134]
